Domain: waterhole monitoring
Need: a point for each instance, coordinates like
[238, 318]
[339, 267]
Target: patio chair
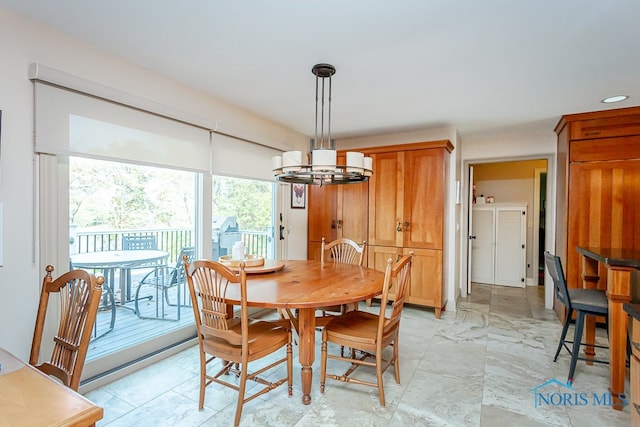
[79, 296]
[137, 242]
[162, 281]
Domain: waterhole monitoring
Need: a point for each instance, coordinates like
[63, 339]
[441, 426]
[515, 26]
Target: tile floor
[476, 367]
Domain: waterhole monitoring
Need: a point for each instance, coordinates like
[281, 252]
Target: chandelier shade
[321, 166]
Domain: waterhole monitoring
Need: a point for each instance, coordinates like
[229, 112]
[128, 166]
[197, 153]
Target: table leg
[618, 293]
[306, 333]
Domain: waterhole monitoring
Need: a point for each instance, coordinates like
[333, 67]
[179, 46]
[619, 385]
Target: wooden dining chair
[369, 333]
[341, 251]
[79, 295]
[585, 302]
[233, 341]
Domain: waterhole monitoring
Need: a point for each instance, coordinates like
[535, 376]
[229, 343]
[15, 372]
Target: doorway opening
[513, 181]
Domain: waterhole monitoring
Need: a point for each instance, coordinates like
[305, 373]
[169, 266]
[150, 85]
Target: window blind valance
[239, 158]
[72, 123]
[75, 116]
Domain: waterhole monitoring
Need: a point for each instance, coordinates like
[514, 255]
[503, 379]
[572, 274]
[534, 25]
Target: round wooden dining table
[304, 285]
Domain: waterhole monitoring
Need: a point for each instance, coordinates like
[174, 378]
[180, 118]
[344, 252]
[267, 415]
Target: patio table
[109, 261]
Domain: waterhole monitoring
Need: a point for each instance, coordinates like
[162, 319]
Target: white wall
[23, 42]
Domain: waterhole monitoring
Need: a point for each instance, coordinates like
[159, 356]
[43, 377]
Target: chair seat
[264, 338]
[353, 329]
[589, 300]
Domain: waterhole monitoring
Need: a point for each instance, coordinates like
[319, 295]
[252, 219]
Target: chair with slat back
[138, 242]
[585, 302]
[369, 333]
[108, 303]
[233, 341]
[341, 251]
[79, 293]
[157, 285]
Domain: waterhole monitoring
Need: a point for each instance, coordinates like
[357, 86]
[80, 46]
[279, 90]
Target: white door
[510, 246]
[469, 228]
[482, 245]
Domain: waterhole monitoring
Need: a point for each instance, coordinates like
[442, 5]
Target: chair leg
[323, 363]
[241, 390]
[290, 364]
[577, 339]
[396, 363]
[203, 378]
[379, 363]
[109, 299]
[563, 336]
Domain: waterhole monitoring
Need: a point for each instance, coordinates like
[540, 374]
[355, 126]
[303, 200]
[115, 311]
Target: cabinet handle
[592, 133]
[399, 227]
[406, 226]
[339, 224]
[333, 225]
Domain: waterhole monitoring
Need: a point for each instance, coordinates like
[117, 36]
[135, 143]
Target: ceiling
[401, 65]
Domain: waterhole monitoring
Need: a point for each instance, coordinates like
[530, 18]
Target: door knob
[399, 227]
[472, 237]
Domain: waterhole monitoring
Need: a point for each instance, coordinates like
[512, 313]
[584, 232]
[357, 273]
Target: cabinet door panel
[352, 207]
[385, 200]
[424, 198]
[603, 210]
[313, 251]
[426, 278]
[322, 212]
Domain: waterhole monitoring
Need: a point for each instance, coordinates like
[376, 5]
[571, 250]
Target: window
[242, 209]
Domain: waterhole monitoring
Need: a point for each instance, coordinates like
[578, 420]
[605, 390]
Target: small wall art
[298, 196]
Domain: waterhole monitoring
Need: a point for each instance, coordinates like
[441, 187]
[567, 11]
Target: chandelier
[322, 167]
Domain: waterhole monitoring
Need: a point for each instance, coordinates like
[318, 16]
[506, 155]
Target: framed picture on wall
[298, 196]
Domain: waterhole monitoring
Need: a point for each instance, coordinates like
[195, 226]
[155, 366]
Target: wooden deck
[129, 329]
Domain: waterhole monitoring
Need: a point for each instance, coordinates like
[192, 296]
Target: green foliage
[248, 200]
[116, 196]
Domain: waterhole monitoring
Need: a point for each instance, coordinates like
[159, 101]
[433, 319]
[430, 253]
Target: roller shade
[239, 158]
[72, 123]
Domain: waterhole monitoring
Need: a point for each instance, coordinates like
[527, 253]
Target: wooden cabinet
[598, 185]
[336, 211]
[406, 214]
[400, 210]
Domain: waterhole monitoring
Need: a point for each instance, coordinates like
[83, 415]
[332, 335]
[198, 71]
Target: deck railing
[170, 240]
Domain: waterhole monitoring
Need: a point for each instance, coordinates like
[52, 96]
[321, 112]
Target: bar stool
[584, 302]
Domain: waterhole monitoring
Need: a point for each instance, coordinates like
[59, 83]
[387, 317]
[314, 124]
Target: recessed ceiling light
[616, 98]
